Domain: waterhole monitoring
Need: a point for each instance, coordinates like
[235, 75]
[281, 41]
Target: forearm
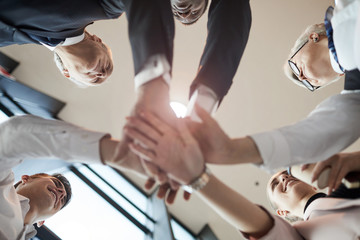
[330, 128]
[228, 31]
[234, 208]
[34, 137]
[243, 150]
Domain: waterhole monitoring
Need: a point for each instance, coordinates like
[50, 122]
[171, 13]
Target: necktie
[329, 34]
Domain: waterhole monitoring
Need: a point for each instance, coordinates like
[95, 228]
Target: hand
[215, 145]
[166, 191]
[174, 151]
[341, 164]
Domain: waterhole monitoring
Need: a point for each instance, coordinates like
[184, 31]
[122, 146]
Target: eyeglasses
[296, 71]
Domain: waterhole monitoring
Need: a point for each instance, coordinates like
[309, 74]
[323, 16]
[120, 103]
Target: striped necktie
[329, 34]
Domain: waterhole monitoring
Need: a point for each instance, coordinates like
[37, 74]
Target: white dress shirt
[33, 137]
[331, 127]
[334, 124]
[346, 35]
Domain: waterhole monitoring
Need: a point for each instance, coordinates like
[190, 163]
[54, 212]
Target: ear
[25, 178]
[40, 223]
[96, 38]
[66, 73]
[314, 37]
[282, 213]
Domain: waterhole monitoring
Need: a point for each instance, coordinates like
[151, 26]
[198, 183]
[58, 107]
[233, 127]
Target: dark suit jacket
[228, 25]
[60, 19]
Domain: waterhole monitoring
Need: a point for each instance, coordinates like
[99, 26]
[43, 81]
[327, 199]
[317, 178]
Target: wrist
[198, 183]
[107, 149]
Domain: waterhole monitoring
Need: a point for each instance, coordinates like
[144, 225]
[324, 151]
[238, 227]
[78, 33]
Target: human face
[47, 195]
[188, 11]
[286, 192]
[89, 61]
[313, 62]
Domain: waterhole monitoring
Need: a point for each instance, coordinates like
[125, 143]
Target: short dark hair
[58, 176]
[205, 8]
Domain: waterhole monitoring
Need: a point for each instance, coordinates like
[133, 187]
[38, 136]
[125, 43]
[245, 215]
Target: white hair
[321, 31]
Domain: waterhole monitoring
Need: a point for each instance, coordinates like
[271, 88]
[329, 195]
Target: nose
[284, 177]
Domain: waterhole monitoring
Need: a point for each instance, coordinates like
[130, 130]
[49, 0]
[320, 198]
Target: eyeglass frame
[306, 83]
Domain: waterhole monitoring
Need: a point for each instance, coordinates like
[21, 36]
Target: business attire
[151, 24]
[331, 217]
[333, 125]
[228, 26]
[33, 137]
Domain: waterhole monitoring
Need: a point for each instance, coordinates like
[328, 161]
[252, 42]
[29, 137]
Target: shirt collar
[68, 41]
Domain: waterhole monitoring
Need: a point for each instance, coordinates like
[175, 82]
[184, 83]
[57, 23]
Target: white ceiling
[260, 99]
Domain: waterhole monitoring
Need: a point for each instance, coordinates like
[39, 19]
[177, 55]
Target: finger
[150, 183]
[319, 167]
[142, 152]
[150, 168]
[161, 177]
[342, 173]
[332, 179]
[171, 196]
[156, 122]
[163, 190]
[304, 167]
[184, 131]
[204, 116]
[143, 126]
[143, 139]
[192, 126]
[187, 195]
[174, 185]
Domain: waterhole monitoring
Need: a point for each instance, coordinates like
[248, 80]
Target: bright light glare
[179, 109]
[3, 117]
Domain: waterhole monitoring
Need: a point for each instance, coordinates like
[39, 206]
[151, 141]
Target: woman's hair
[317, 28]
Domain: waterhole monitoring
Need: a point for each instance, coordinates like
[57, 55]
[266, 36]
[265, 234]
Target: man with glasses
[326, 51]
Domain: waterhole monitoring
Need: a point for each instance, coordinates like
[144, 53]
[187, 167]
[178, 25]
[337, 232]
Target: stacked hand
[340, 164]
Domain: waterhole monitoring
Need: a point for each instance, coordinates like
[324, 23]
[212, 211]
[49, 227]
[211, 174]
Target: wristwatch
[199, 182]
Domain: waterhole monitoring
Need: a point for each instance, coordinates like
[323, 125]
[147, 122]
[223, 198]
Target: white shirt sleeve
[154, 67]
[330, 128]
[34, 137]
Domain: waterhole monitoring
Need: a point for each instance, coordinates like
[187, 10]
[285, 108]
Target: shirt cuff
[206, 98]
[274, 150]
[156, 66]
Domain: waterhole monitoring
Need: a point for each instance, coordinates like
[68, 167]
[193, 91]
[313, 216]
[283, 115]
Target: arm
[228, 31]
[330, 128]
[34, 137]
[236, 209]
[180, 156]
[217, 147]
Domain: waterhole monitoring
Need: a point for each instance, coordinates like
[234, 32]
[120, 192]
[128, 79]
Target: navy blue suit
[151, 30]
[58, 19]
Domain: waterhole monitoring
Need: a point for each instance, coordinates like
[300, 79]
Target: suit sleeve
[151, 30]
[228, 26]
[10, 35]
